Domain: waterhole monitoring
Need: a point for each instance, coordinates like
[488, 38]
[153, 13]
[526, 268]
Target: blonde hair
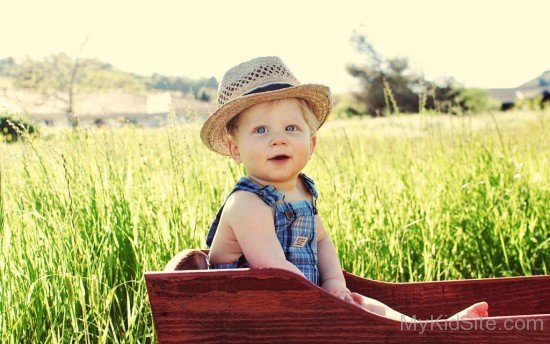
[233, 125]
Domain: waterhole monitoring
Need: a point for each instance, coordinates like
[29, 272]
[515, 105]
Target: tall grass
[408, 198]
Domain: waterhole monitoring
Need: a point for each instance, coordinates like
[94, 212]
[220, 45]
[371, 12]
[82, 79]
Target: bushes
[344, 109]
[476, 100]
[537, 103]
[12, 128]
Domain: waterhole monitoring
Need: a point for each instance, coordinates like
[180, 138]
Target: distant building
[539, 86]
[147, 109]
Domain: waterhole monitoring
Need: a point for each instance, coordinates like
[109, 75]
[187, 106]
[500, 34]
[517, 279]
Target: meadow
[407, 198]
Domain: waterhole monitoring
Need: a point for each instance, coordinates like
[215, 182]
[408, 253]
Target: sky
[481, 43]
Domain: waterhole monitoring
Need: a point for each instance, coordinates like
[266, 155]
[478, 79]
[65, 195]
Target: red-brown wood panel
[506, 296]
[276, 306]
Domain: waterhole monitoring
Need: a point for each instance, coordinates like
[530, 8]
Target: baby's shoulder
[245, 202]
[243, 206]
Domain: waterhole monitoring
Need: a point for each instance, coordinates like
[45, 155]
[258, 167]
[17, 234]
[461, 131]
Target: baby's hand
[338, 289]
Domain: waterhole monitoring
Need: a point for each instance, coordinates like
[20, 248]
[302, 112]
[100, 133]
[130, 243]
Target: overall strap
[311, 186]
[267, 193]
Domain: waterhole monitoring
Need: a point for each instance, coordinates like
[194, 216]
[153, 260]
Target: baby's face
[273, 141]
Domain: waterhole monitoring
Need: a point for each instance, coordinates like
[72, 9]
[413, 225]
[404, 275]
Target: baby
[267, 121]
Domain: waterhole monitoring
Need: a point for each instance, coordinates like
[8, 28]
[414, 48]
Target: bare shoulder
[251, 221]
[244, 217]
[243, 204]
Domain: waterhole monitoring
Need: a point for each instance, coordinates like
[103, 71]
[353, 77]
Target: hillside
[61, 73]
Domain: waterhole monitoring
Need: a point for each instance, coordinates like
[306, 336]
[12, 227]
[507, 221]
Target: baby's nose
[279, 139]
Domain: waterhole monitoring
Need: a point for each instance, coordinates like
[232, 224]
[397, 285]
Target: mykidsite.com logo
[478, 324]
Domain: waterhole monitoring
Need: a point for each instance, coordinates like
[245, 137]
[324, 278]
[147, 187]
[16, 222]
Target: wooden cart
[192, 304]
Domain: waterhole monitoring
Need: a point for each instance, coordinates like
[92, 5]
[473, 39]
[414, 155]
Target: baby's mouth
[280, 157]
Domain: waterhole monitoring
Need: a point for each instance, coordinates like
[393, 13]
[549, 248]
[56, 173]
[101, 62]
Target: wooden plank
[277, 306]
[506, 296]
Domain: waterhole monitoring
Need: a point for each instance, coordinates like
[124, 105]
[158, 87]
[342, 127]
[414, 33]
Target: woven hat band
[269, 87]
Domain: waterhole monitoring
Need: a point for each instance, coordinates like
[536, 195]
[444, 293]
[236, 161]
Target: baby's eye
[260, 130]
[290, 127]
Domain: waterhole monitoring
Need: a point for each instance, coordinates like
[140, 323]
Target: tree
[390, 86]
[5, 65]
[55, 76]
[477, 100]
[196, 87]
[61, 77]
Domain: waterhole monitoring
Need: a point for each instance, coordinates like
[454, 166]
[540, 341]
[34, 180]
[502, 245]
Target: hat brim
[214, 132]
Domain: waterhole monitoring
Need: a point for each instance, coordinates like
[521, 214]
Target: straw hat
[255, 81]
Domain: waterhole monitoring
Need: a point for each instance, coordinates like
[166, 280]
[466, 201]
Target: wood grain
[277, 306]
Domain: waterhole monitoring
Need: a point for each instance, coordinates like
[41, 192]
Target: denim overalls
[294, 225]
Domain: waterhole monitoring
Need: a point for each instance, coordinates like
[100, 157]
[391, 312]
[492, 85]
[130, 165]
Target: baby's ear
[313, 144]
[234, 150]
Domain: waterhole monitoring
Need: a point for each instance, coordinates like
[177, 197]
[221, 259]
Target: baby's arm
[333, 281]
[332, 278]
[330, 270]
[252, 222]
